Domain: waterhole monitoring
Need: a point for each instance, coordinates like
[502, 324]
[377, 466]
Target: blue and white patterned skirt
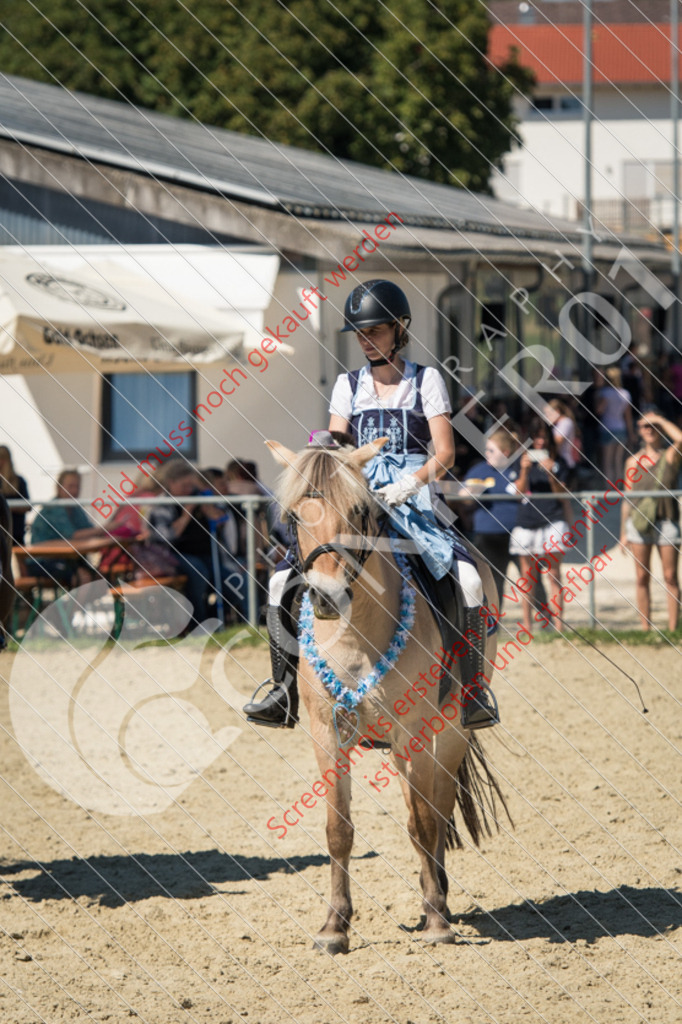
[436, 544]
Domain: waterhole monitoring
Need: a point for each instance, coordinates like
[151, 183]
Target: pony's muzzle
[325, 608]
[322, 607]
[330, 598]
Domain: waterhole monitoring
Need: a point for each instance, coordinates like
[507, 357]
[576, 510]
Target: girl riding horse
[395, 398]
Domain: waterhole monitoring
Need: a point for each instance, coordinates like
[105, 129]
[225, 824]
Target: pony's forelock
[328, 473]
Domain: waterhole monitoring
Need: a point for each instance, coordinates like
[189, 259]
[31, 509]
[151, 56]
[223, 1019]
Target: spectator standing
[13, 486]
[672, 394]
[614, 409]
[63, 522]
[466, 454]
[653, 521]
[216, 482]
[540, 523]
[566, 435]
[632, 378]
[587, 420]
[493, 521]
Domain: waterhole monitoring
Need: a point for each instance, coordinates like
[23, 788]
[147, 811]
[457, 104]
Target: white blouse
[435, 399]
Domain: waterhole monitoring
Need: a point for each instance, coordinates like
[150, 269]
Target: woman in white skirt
[542, 471]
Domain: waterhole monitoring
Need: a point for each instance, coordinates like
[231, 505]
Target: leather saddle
[446, 603]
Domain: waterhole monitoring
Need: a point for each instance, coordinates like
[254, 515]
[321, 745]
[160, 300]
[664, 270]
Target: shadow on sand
[585, 914]
[113, 881]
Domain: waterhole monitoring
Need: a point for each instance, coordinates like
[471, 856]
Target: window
[139, 411]
[543, 102]
[570, 103]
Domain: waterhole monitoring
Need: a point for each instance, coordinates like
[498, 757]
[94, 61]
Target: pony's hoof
[339, 944]
[447, 937]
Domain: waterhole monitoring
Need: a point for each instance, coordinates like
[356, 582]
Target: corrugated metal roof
[247, 168]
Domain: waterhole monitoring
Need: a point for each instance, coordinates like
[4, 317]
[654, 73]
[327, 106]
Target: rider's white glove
[399, 492]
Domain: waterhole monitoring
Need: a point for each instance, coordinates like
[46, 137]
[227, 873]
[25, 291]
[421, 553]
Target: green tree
[442, 110]
[403, 84]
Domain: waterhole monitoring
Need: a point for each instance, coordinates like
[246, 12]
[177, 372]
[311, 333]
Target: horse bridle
[357, 563]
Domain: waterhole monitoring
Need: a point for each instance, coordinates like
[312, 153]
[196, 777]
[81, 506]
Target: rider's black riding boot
[480, 707]
[279, 709]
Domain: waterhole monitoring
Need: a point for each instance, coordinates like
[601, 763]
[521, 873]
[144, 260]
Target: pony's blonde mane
[329, 474]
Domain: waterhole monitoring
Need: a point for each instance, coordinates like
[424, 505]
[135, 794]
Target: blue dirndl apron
[406, 452]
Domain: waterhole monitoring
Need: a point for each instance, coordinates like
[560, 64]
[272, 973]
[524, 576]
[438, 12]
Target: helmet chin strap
[385, 360]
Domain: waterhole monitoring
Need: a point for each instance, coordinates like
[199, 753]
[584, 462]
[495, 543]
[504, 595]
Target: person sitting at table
[185, 528]
[59, 523]
[141, 557]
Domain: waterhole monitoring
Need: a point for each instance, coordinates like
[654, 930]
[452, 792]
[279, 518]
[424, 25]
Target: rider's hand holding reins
[399, 492]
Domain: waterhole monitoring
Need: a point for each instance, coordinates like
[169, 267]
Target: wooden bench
[29, 592]
[120, 591]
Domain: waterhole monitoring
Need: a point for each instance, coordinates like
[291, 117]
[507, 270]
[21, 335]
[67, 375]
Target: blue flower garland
[346, 698]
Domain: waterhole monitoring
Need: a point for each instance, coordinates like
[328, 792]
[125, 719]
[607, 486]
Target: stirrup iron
[290, 711]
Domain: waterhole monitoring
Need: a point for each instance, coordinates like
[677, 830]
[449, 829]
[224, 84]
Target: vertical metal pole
[251, 563]
[323, 345]
[593, 585]
[675, 118]
[584, 367]
[587, 127]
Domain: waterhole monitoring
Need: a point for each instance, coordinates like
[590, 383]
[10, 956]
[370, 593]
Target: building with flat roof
[213, 241]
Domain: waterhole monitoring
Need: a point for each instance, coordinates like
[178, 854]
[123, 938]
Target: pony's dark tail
[478, 797]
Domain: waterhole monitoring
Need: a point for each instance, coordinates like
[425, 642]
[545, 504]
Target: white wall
[283, 402]
[48, 423]
[548, 170]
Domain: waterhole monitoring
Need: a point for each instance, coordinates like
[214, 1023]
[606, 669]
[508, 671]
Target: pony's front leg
[333, 936]
[422, 825]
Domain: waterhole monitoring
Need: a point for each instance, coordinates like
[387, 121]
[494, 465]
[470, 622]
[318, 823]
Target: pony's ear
[362, 455]
[281, 453]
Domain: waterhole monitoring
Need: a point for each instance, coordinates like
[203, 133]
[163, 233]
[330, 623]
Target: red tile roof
[622, 53]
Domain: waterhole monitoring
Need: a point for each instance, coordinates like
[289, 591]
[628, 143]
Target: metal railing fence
[252, 503]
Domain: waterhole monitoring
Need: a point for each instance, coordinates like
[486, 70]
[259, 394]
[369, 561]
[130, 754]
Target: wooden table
[59, 549]
[67, 548]
[77, 549]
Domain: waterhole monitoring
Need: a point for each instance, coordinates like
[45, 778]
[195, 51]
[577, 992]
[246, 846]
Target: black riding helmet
[378, 302]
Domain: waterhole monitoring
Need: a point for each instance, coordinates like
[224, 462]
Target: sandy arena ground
[197, 913]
